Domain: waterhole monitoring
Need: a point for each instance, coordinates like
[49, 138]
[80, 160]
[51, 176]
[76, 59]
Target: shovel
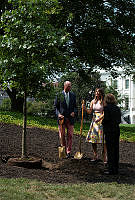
[79, 154]
[61, 149]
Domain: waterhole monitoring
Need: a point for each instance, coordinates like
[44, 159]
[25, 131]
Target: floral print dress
[95, 133]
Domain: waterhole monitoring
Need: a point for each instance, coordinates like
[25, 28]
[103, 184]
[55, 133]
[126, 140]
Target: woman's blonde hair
[110, 99]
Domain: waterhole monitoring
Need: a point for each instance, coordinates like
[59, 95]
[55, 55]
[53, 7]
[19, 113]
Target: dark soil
[44, 144]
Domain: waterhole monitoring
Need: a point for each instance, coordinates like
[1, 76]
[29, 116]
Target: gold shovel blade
[78, 155]
[62, 152]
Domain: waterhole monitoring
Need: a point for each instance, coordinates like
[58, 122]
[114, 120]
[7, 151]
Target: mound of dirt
[43, 144]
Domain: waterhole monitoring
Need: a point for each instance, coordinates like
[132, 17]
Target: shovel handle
[82, 118]
[61, 121]
[81, 127]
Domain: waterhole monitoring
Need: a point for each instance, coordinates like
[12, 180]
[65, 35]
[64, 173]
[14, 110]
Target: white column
[132, 96]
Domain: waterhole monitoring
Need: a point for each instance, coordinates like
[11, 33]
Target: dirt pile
[44, 144]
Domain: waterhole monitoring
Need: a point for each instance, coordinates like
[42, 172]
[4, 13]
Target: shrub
[5, 105]
[40, 109]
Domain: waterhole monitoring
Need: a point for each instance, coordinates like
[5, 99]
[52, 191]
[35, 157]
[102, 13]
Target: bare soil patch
[44, 144]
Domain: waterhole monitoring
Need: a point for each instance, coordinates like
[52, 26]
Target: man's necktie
[67, 99]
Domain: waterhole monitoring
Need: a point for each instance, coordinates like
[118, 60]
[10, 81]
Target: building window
[126, 103]
[103, 83]
[115, 84]
[126, 83]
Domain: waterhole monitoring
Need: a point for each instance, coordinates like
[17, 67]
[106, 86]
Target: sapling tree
[30, 49]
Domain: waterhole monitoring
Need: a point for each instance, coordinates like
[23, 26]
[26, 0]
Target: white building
[125, 85]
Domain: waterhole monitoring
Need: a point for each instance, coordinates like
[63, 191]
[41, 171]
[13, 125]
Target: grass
[127, 130]
[25, 189]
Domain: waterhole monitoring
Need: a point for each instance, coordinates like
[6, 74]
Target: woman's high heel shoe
[105, 160]
[95, 158]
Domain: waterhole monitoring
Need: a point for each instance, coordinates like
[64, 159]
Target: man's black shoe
[110, 173]
[106, 172]
[68, 155]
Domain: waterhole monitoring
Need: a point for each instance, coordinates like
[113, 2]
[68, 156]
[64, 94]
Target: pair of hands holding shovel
[61, 117]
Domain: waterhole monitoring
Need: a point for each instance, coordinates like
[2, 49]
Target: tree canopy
[102, 32]
[40, 38]
[31, 47]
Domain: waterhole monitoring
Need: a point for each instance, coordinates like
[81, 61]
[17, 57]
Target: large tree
[102, 32]
[30, 48]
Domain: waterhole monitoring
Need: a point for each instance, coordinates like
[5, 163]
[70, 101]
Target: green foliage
[46, 93]
[102, 32]
[40, 109]
[31, 45]
[5, 105]
[34, 108]
[112, 90]
[83, 84]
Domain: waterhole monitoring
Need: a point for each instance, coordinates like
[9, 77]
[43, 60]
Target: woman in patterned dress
[95, 133]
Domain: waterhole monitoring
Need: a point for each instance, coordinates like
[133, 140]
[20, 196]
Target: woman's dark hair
[101, 97]
[110, 99]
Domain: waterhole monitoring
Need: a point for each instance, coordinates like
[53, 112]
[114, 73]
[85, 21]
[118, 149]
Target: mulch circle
[30, 162]
[43, 145]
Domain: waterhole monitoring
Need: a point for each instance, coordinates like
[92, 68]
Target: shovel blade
[62, 152]
[78, 155]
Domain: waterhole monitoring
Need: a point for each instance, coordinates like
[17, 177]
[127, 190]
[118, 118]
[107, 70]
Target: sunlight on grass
[20, 189]
[127, 130]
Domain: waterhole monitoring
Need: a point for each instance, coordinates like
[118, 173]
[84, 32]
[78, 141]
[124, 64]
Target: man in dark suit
[65, 105]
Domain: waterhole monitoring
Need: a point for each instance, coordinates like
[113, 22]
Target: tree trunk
[24, 153]
[16, 102]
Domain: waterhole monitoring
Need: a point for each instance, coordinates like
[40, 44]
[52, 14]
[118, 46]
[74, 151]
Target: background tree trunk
[16, 101]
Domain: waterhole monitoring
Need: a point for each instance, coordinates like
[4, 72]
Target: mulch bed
[44, 144]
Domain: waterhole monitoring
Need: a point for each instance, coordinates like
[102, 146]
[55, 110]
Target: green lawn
[24, 189]
[127, 130]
